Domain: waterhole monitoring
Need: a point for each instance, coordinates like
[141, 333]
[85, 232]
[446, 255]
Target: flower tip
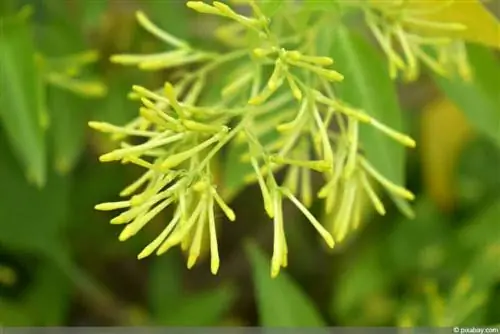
[95, 125]
[409, 142]
[192, 260]
[165, 247]
[329, 241]
[117, 59]
[275, 270]
[297, 93]
[255, 101]
[112, 206]
[125, 235]
[140, 16]
[230, 215]
[214, 266]
[118, 220]
[107, 157]
[99, 207]
[409, 195]
[193, 4]
[145, 253]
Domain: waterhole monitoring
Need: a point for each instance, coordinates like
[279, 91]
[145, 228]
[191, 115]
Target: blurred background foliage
[61, 262]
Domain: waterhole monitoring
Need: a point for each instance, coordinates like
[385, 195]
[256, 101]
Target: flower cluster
[280, 85]
[420, 39]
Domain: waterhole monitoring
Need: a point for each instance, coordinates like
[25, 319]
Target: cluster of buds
[401, 26]
[181, 136]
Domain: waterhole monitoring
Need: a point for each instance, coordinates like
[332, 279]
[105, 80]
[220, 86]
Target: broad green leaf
[48, 299]
[479, 99]
[367, 86]
[362, 281]
[206, 308]
[482, 230]
[30, 218]
[7, 7]
[482, 26]
[315, 5]
[477, 174]
[417, 244]
[280, 301]
[165, 285]
[69, 118]
[270, 7]
[13, 314]
[172, 16]
[22, 112]
[93, 13]
[117, 109]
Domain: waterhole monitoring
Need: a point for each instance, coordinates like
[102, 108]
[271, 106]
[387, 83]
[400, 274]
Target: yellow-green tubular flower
[399, 26]
[180, 138]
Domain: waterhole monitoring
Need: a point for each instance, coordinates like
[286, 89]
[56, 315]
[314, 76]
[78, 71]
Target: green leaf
[22, 112]
[165, 285]
[13, 314]
[7, 7]
[417, 244]
[365, 278]
[117, 109]
[482, 230]
[368, 86]
[479, 99]
[270, 7]
[172, 16]
[280, 301]
[48, 300]
[67, 129]
[315, 5]
[33, 217]
[206, 308]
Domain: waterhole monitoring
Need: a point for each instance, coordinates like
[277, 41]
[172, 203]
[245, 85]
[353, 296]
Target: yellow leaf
[482, 26]
[444, 131]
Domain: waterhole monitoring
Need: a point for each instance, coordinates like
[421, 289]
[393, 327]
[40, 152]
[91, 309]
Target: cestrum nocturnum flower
[279, 84]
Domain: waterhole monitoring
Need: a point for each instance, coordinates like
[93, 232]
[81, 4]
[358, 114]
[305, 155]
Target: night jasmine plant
[280, 82]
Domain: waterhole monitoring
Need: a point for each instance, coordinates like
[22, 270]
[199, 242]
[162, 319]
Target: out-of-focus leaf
[172, 16]
[444, 131]
[22, 112]
[477, 173]
[482, 230]
[280, 301]
[367, 86]
[117, 109]
[30, 218]
[93, 12]
[48, 300]
[364, 279]
[321, 5]
[68, 125]
[13, 315]
[482, 26]
[165, 285]
[269, 8]
[202, 309]
[7, 7]
[417, 244]
[479, 99]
